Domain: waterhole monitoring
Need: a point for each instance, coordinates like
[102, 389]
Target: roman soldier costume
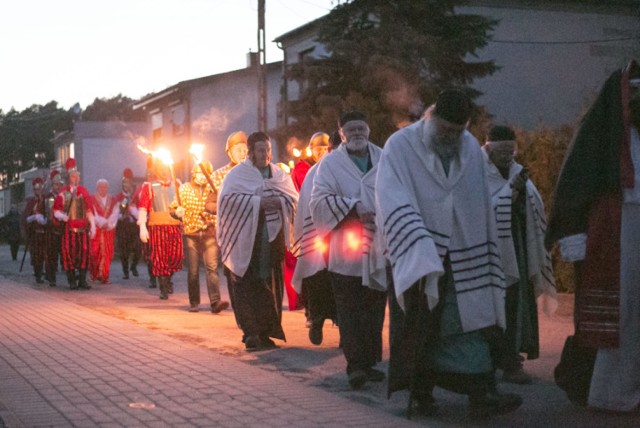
[54, 229]
[127, 231]
[73, 207]
[34, 221]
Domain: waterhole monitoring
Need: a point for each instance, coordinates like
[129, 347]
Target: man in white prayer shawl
[342, 206]
[521, 223]
[438, 226]
[256, 207]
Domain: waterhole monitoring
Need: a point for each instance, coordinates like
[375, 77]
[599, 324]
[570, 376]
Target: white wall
[550, 82]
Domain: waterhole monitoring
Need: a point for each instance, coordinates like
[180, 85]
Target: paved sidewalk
[64, 365]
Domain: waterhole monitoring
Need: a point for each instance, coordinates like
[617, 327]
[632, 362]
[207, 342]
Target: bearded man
[439, 230]
[342, 206]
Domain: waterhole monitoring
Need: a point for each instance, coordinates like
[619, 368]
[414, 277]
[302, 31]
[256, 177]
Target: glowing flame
[163, 154]
[196, 150]
[307, 152]
[320, 245]
[284, 167]
[353, 241]
[291, 164]
[296, 152]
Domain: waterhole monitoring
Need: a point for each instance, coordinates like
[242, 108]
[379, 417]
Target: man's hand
[180, 212]
[270, 203]
[40, 219]
[365, 215]
[144, 233]
[61, 216]
[92, 230]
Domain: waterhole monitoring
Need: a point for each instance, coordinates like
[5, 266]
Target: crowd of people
[451, 234]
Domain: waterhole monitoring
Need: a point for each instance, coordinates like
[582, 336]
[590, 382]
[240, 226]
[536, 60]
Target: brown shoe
[219, 306]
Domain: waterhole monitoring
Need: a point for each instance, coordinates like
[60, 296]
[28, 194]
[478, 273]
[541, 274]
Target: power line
[569, 42]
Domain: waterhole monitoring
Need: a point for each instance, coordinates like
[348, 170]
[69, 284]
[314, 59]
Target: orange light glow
[296, 152]
[353, 241]
[320, 245]
[307, 152]
[197, 150]
[163, 154]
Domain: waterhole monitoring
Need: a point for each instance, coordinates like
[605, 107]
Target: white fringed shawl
[425, 215]
[540, 269]
[337, 186]
[239, 207]
[307, 245]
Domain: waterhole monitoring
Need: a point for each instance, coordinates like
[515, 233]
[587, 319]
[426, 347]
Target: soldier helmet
[55, 177]
[238, 137]
[37, 182]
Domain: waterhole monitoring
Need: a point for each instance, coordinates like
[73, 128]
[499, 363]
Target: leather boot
[153, 281]
[71, 279]
[164, 287]
[82, 279]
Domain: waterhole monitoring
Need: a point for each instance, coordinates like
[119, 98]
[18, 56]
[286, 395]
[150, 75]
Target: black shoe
[219, 306]
[52, 284]
[163, 296]
[494, 404]
[39, 280]
[315, 332]
[251, 343]
[125, 276]
[374, 375]
[134, 272]
[425, 405]
[194, 308]
[357, 379]
[267, 343]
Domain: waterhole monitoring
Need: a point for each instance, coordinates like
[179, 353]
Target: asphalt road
[323, 366]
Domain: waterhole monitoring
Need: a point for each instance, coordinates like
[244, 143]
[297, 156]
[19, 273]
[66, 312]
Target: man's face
[37, 189]
[102, 189]
[261, 154]
[501, 153]
[318, 152]
[126, 186]
[355, 133]
[56, 186]
[446, 132]
[74, 178]
[238, 153]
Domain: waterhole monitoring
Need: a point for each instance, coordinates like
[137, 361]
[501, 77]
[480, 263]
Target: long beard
[356, 145]
[446, 148]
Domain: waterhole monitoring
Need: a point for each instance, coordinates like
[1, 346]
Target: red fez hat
[70, 164]
[37, 182]
[55, 176]
[127, 174]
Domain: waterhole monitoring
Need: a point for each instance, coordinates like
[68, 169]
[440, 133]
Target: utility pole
[262, 72]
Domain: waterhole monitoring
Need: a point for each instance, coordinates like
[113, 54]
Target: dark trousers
[54, 247]
[14, 245]
[202, 246]
[361, 314]
[317, 293]
[128, 242]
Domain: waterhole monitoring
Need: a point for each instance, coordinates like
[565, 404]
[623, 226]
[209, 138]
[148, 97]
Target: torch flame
[163, 154]
[296, 152]
[307, 152]
[196, 150]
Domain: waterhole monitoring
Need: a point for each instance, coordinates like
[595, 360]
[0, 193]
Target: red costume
[34, 221]
[161, 231]
[73, 207]
[54, 230]
[102, 244]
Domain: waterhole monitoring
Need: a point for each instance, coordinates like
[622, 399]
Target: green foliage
[388, 59]
[118, 108]
[542, 151]
[25, 138]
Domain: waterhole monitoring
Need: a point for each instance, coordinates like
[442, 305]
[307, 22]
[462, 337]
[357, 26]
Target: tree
[25, 138]
[388, 58]
[116, 108]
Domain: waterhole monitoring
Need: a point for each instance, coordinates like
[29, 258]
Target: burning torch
[165, 157]
[196, 150]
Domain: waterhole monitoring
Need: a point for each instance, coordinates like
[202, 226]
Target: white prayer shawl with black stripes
[337, 186]
[239, 207]
[539, 266]
[426, 215]
[307, 245]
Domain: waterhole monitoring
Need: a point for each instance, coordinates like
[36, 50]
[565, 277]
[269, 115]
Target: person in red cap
[73, 207]
[34, 221]
[127, 231]
[105, 214]
[54, 229]
[158, 229]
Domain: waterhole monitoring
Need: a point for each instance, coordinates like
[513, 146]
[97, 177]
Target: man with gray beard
[436, 220]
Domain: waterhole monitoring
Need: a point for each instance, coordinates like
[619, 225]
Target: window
[178, 119]
[156, 126]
